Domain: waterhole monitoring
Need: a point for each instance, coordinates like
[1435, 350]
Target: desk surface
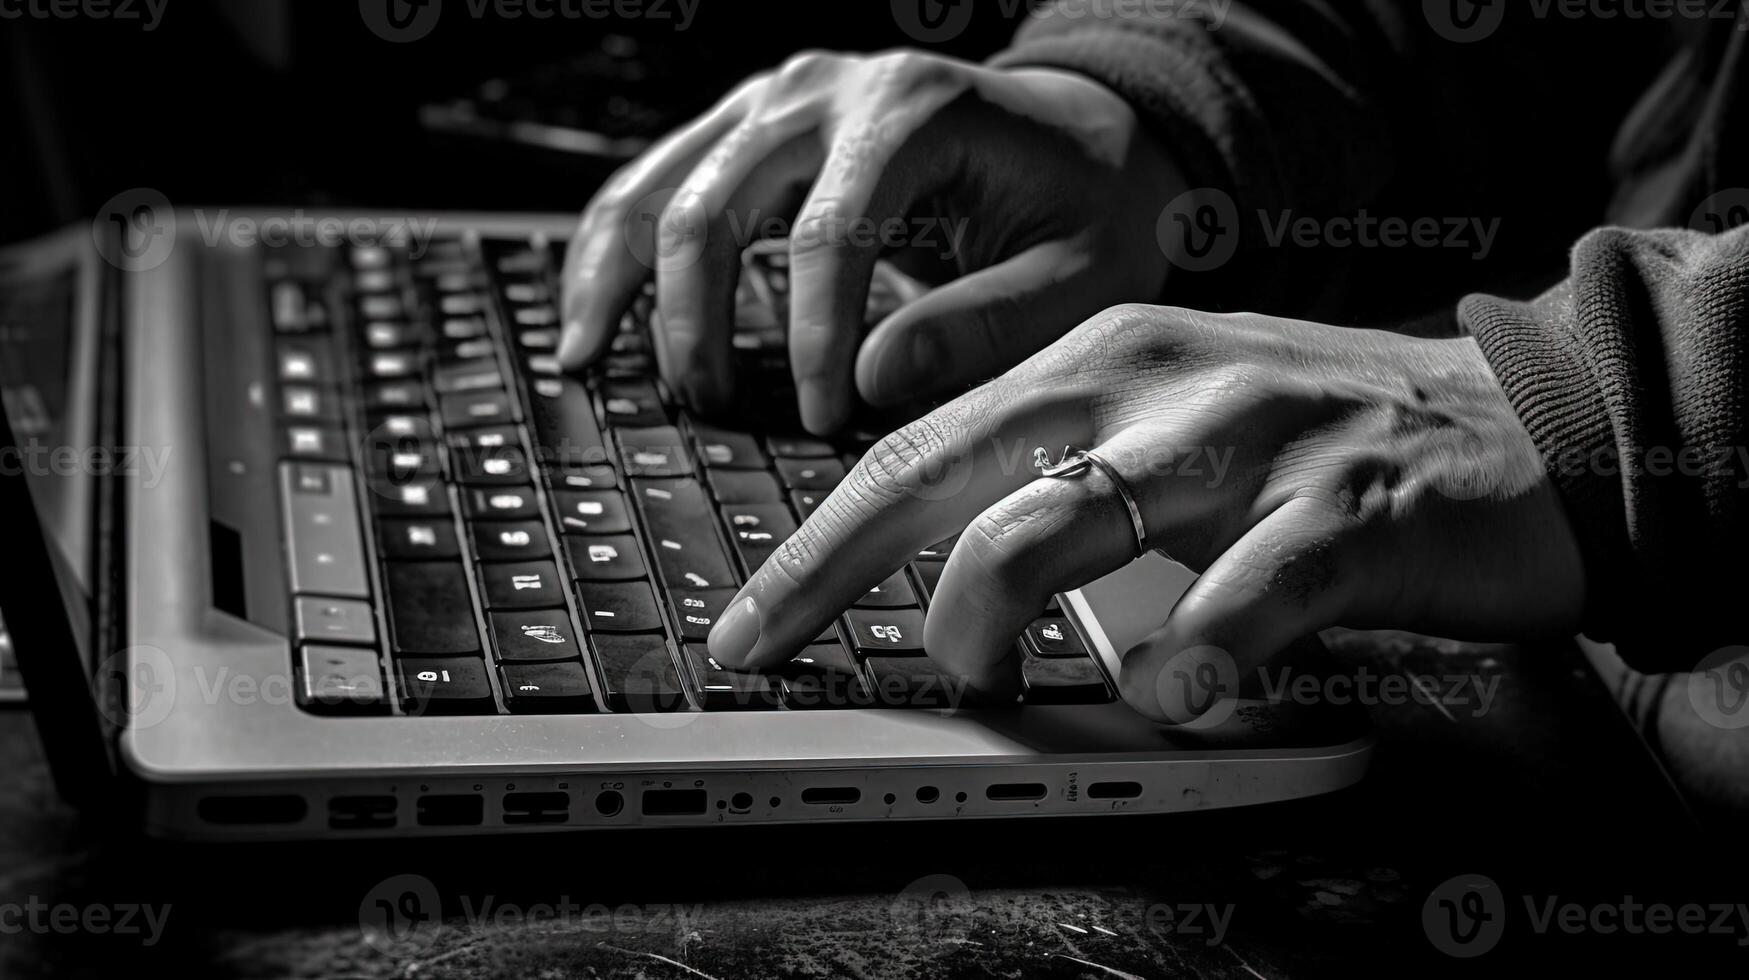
[1547, 792]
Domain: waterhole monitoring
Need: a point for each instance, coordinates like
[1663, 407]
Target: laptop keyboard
[469, 531]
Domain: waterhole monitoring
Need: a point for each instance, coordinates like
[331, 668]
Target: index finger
[916, 487]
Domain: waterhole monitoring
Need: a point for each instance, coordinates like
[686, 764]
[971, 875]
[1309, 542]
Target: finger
[914, 488]
[611, 255]
[1289, 576]
[755, 174]
[1050, 536]
[979, 326]
[833, 249]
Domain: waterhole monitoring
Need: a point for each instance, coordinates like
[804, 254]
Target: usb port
[1015, 792]
[832, 795]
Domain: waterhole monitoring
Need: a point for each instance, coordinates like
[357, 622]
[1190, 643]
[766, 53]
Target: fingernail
[734, 636]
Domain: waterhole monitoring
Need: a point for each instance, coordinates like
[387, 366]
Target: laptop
[313, 540]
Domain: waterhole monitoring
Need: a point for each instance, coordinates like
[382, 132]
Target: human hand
[1372, 480]
[1036, 189]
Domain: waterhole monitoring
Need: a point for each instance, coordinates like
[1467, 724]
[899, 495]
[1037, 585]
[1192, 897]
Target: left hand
[1374, 480]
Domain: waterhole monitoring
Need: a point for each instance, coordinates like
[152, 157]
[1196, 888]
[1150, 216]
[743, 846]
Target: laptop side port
[527, 808]
[1114, 791]
[831, 795]
[1015, 792]
[674, 802]
[452, 810]
[362, 812]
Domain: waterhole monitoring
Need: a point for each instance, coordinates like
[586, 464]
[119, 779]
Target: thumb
[980, 325]
[1283, 580]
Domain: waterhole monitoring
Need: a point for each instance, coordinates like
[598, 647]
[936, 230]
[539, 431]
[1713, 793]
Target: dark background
[275, 102]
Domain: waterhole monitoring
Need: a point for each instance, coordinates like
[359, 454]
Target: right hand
[1049, 175]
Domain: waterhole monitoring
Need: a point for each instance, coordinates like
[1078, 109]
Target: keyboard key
[913, 682]
[722, 689]
[619, 607]
[723, 449]
[430, 609]
[476, 408]
[503, 466]
[592, 512]
[547, 687]
[886, 631]
[638, 672]
[565, 429]
[501, 503]
[605, 558]
[487, 439]
[757, 530]
[403, 461]
[822, 676]
[510, 540]
[806, 501]
[314, 442]
[893, 593]
[389, 334]
[688, 551]
[522, 585]
[810, 474]
[456, 685]
[468, 375]
[1052, 636]
[654, 452]
[391, 365]
[422, 499]
[309, 404]
[938, 551]
[534, 635]
[798, 447]
[697, 610]
[416, 540]
[324, 546]
[341, 679]
[1063, 680]
[745, 487]
[476, 354]
[394, 395]
[304, 361]
[323, 620]
[633, 403]
[584, 478]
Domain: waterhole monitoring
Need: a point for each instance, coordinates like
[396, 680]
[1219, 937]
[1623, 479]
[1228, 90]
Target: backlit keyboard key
[476, 408]
[407, 539]
[324, 620]
[592, 512]
[454, 685]
[757, 530]
[892, 593]
[339, 679]
[503, 466]
[1052, 636]
[430, 609]
[721, 448]
[510, 540]
[806, 501]
[687, 548]
[501, 503]
[886, 631]
[810, 474]
[324, 545]
[522, 585]
[534, 635]
[619, 607]
[563, 418]
[653, 452]
[822, 676]
[798, 447]
[425, 498]
[605, 557]
[721, 689]
[697, 610]
[533, 688]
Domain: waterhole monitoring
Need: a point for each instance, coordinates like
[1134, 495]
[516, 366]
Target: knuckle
[805, 67]
[910, 70]
[894, 465]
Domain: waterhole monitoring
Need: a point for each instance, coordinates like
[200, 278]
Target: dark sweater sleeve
[1630, 378]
